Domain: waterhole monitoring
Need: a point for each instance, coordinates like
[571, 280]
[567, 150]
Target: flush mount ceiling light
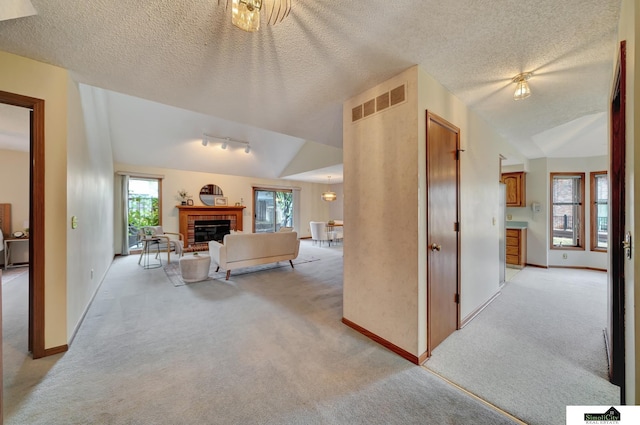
[522, 87]
[329, 196]
[225, 142]
[245, 14]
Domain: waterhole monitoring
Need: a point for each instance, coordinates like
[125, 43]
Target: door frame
[441, 121]
[617, 147]
[36, 218]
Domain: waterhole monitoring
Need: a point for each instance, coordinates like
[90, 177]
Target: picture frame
[221, 201]
[190, 202]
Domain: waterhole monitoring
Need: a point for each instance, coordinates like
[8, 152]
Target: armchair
[167, 241]
[319, 232]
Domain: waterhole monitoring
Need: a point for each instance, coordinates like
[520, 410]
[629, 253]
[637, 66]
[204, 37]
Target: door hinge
[456, 298]
[456, 226]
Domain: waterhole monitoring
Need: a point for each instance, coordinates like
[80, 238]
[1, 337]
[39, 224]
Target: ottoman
[195, 268]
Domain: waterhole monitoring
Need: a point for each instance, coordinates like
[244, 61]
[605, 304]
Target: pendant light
[329, 195]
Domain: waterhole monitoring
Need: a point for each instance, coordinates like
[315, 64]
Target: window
[567, 217]
[273, 209]
[144, 206]
[599, 210]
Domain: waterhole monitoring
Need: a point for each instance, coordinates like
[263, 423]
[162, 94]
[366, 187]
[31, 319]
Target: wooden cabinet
[516, 189]
[517, 247]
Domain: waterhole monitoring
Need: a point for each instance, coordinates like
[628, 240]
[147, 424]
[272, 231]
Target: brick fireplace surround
[189, 214]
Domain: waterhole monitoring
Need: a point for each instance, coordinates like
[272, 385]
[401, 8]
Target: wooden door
[443, 142]
[616, 339]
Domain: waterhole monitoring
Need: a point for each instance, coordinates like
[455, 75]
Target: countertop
[517, 224]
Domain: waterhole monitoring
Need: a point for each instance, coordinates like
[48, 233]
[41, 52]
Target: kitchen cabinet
[516, 188]
[517, 247]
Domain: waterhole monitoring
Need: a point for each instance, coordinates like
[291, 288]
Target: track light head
[247, 149]
[205, 142]
[224, 145]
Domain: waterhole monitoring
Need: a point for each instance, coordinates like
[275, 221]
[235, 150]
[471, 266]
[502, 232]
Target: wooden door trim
[441, 121]
[617, 201]
[36, 219]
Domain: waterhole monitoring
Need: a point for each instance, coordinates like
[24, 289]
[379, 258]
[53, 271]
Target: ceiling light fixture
[245, 14]
[329, 195]
[522, 87]
[225, 142]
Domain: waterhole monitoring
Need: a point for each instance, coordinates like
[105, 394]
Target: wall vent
[379, 103]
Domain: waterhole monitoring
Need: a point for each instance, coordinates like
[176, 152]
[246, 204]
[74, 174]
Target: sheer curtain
[296, 210]
[125, 214]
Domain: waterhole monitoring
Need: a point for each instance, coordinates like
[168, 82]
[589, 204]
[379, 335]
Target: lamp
[225, 142]
[329, 195]
[522, 87]
[245, 14]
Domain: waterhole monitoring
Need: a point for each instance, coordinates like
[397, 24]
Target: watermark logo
[609, 417]
[600, 415]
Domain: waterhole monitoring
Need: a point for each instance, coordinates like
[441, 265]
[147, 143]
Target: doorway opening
[143, 208]
[36, 218]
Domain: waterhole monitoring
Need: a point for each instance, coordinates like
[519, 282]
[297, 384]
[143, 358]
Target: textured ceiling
[292, 78]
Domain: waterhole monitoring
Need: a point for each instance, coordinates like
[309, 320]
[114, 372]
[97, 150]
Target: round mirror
[209, 193]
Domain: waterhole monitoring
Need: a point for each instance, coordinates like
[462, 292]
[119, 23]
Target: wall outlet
[91, 274]
[565, 256]
[509, 217]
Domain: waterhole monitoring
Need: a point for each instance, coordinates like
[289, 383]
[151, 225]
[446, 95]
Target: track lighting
[225, 142]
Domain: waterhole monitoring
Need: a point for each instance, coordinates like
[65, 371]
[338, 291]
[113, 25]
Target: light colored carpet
[173, 269]
[537, 348]
[10, 274]
[265, 348]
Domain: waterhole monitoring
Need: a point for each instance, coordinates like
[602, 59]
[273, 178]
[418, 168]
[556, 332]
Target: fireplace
[211, 230]
[189, 214]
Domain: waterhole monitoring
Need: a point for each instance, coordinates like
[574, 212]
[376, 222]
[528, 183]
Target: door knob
[435, 247]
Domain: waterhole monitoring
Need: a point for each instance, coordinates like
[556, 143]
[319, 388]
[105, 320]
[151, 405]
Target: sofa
[239, 250]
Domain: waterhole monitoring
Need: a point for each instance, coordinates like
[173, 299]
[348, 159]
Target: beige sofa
[251, 249]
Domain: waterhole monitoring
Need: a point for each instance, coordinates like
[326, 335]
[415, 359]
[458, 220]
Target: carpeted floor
[10, 274]
[263, 348]
[536, 348]
[173, 269]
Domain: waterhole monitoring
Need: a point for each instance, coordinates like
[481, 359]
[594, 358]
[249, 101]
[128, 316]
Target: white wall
[538, 190]
[89, 198]
[235, 188]
[14, 190]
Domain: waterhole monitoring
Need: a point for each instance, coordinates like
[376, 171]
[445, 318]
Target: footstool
[195, 268]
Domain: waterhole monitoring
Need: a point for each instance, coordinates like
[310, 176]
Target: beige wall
[381, 213]
[235, 188]
[14, 190]
[628, 30]
[385, 182]
[35, 79]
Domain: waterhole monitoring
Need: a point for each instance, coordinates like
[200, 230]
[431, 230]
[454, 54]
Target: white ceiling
[290, 80]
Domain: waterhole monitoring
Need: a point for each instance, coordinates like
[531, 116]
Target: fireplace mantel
[188, 214]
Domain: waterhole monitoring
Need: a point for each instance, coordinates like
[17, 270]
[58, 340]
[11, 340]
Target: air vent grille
[379, 103]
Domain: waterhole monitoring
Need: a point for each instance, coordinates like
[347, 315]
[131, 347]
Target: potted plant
[183, 195]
